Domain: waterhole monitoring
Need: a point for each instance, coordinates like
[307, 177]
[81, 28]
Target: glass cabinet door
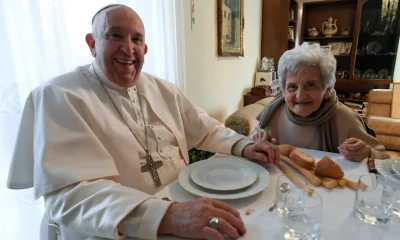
[377, 40]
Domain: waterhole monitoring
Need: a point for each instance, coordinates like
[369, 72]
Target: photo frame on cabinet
[335, 47]
[230, 28]
[290, 33]
[346, 48]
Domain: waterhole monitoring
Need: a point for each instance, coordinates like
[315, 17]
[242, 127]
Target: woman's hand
[259, 136]
[263, 152]
[191, 220]
[354, 149]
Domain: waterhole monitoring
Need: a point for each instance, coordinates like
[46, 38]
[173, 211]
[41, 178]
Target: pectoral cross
[151, 166]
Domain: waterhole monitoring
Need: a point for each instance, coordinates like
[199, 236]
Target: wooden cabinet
[277, 17]
[250, 99]
[373, 35]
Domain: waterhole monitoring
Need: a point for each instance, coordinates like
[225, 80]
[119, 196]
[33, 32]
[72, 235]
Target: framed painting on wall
[230, 28]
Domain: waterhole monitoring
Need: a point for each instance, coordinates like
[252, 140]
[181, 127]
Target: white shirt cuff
[144, 220]
[238, 147]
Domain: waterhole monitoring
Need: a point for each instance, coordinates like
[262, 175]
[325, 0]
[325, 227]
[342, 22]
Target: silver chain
[146, 149]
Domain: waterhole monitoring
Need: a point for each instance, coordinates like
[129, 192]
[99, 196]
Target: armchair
[378, 118]
[243, 121]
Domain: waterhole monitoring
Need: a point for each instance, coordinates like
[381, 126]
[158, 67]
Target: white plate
[396, 167]
[384, 167]
[223, 175]
[259, 185]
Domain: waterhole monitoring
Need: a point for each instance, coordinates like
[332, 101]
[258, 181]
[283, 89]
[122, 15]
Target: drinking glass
[375, 197]
[282, 180]
[302, 215]
[396, 203]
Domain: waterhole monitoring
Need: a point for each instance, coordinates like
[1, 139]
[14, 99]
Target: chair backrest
[379, 102]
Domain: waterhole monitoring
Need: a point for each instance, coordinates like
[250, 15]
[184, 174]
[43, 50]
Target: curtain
[40, 39]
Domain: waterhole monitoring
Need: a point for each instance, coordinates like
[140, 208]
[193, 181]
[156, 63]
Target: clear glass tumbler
[285, 185]
[302, 215]
[375, 197]
[396, 203]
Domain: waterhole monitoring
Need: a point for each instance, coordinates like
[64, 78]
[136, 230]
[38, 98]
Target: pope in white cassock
[105, 137]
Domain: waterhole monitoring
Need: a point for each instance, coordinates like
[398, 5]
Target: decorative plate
[369, 71]
[374, 47]
[383, 71]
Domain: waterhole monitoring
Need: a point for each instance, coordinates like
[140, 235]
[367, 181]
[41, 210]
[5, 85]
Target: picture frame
[290, 33]
[230, 27]
[335, 47]
[341, 74]
[326, 47]
[346, 48]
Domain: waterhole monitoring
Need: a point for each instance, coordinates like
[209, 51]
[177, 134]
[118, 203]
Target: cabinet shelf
[324, 38]
[376, 55]
[359, 80]
[362, 18]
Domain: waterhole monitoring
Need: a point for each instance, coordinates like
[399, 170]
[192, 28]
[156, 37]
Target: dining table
[338, 219]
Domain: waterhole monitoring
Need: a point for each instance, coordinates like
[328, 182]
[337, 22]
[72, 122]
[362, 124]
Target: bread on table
[329, 183]
[341, 182]
[326, 167]
[309, 175]
[302, 159]
[286, 149]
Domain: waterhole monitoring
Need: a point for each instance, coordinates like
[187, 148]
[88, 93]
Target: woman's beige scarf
[323, 118]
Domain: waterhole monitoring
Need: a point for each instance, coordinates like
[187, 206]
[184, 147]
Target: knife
[371, 165]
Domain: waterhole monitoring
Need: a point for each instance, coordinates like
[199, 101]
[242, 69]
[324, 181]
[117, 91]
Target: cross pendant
[151, 167]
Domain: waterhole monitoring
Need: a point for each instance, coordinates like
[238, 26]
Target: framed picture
[290, 33]
[335, 47]
[326, 47]
[230, 28]
[346, 48]
[341, 74]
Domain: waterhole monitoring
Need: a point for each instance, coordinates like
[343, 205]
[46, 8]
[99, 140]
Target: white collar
[96, 71]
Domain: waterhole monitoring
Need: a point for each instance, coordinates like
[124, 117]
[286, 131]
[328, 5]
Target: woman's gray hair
[308, 55]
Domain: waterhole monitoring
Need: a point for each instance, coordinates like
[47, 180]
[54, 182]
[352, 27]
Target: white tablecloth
[338, 221]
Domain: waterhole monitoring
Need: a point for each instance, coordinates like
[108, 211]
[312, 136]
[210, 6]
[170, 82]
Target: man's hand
[191, 220]
[263, 152]
[354, 149]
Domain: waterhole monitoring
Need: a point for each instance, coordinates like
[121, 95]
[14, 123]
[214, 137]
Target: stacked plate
[224, 178]
[389, 168]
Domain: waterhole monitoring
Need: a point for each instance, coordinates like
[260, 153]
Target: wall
[217, 84]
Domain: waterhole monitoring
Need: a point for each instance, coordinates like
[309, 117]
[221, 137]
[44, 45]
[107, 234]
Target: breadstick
[294, 179]
[329, 183]
[341, 182]
[354, 185]
[314, 180]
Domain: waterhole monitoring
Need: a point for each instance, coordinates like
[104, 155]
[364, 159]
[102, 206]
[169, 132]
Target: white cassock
[87, 163]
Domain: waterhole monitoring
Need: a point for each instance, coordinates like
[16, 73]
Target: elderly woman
[307, 113]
